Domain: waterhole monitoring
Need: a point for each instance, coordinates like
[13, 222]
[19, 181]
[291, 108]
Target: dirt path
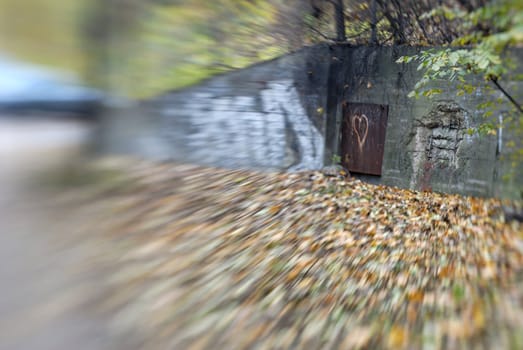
[46, 275]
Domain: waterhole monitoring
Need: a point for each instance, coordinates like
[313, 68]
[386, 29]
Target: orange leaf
[275, 209]
[416, 296]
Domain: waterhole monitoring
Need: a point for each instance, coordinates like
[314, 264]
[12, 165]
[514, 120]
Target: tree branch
[373, 25]
[339, 16]
[507, 95]
[311, 27]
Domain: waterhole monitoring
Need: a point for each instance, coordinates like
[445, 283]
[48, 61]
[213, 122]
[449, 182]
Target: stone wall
[285, 114]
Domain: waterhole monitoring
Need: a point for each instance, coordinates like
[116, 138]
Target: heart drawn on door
[360, 126]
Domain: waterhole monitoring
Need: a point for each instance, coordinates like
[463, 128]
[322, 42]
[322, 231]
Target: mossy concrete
[427, 146]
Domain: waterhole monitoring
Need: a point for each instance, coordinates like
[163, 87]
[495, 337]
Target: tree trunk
[339, 15]
[373, 34]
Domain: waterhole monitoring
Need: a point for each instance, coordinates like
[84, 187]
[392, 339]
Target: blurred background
[139, 49]
[67, 61]
[162, 44]
[65, 65]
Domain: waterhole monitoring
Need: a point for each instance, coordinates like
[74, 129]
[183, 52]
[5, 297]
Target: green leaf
[483, 63]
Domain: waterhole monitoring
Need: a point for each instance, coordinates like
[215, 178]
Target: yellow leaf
[397, 337]
[305, 284]
[293, 274]
[478, 316]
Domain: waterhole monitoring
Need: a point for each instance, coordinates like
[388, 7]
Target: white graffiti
[246, 130]
[281, 98]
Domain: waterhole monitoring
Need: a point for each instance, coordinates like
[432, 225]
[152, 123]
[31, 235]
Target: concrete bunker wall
[285, 114]
[427, 146]
[269, 116]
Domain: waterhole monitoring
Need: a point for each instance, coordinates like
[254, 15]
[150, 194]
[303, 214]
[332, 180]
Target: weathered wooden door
[363, 137]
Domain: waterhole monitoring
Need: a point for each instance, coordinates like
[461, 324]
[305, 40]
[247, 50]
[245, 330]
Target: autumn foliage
[215, 258]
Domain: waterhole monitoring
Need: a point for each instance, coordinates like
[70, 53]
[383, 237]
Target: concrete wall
[286, 113]
[269, 116]
[426, 146]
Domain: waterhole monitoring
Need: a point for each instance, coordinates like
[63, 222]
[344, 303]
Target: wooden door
[363, 137]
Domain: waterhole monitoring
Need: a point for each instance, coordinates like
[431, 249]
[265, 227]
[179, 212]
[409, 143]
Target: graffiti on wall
[360, 127]
[281, 98]
[247, 130]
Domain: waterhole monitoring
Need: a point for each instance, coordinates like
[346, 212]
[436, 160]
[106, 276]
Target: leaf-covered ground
[204, 258]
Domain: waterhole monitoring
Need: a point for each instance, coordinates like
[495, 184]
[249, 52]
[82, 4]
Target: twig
[507, 95]
[320, 33]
